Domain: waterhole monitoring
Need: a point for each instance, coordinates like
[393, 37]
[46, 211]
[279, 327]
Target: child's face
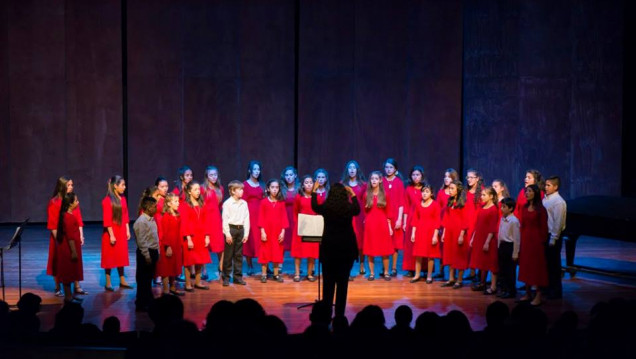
[452, 190]
[426, 194]
[237, 193]
[352, 171]
[163, 188]
[486, 196]
[274, 188]
[69, 186]
[497, 187]
[152, 210]
[321, 178]
[173, 204]
[290, 177]
[187, 176]
[389, 169]
[374, 180]
[213, 176]
[471, 178]
[416, 177]
[195, 191]
[120, 187]
[529, 179]
[529, 194]
[447, 179]
[256, 171]
[308, 185]
[505, 210]
[550, 188]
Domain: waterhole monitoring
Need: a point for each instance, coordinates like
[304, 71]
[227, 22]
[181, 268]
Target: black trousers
[233, 254]
[144, 276]
[507, 268]
[336, 274]
[553, 258]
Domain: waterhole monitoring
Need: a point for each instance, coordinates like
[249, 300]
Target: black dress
[338, 249]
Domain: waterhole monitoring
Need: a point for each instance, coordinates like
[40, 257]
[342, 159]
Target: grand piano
[598, 216]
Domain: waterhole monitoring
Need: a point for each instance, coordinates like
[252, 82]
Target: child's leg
[385, 265]
[166, 285]
[297, 267]
[276, 268]
[395, 258]
[371, 266]
[418, 267]
[431, 264]
[188, 277]
[493, 282]
[109, 282]
[310, 265]
[460, 276]
[122, 279]
[361, 261]
[197, 274]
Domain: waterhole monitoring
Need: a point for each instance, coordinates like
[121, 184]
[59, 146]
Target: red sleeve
[407, 202]
[107, 212]
[493, 224]
[262, 213]
[436, 214]
[208, 221]
[400, 194]
[125, 218]
[283, 215]
[71, 228]
[53, 215]
[296, 207]
[186, 221]
[78, 215]
[388, 210]
[464, 219]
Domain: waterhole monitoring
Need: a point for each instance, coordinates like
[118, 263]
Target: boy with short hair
[236, 228]
[508, 252]
[147, 238]
[557, 210]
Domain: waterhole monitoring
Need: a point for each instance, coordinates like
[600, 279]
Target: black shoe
[457, 285]
[414, 280]
[448, 284]
[279, 278]
[226, 282]
[394, 273]
[177, 293]
[264, 279]
[239, 281]
[410, 274]
[439, 276]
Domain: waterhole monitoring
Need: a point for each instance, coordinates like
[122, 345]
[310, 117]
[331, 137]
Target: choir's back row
[464, 226]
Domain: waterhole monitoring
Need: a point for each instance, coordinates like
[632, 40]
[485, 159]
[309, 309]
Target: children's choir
[463, 226]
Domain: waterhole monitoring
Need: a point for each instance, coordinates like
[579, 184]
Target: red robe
[195, 222]
[299, 248]
[442, 199]
[533, 268]
[53, 216]
[395, 195]
[114, 256]
[253, 197]
[521, 202]
[213, 215]
[425, 221]
[171, 236]
[358, 221]
[290, 198]
[455, 255]
[65, 269]
[272, 217]
[377, 240]
[412, 199]
[180, 194]
[487, 222]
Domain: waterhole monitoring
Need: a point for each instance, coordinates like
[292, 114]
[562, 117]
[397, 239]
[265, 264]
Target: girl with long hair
[377, 225]
[300, 249]
[185, 177]
[196, 230]
[394, 189]
[116, 232]
[484, 242]
[353, 177]
[290, 188]
[63, 186]
[454, 235]
[412, 198]
[272, 221]
[533, 177]
[170, 262]
[212, 192]
[162, 191]
[253, 194]
[425, 232]
[68, 250]
[501, 189]
[474, 187]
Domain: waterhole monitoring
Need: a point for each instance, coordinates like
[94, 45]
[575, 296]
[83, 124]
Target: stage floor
[282, 299]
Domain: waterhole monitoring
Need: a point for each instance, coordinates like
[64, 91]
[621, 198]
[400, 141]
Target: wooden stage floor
[282, 299]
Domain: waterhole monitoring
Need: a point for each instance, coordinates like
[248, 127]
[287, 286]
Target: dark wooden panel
[94, 98]
[37, 112]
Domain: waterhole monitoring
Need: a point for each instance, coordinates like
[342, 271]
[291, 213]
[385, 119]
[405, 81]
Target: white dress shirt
[235, 213]
[509, 231]
[557, 210]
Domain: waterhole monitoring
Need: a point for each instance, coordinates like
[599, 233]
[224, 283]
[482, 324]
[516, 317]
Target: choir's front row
[179, 230]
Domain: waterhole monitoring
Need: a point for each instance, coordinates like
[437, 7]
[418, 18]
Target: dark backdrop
[91, 89]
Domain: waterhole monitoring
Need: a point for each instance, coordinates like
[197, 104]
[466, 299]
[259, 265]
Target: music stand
[15, 241]
[313, 240]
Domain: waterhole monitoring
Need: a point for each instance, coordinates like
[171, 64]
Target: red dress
[533, 268]
[487, 222]
[455, 255]
[442, 199]
[65, 269]
[290, 198]
[272, 217]
[253, 197]
[377, 240]
[53, 216]
[171, 236]
[299, 248]
[213, 215]
[195, 222]
[426, 220]
[114, 256]
[521, 202]
[180, 194]
[412, 199]
[394, 190]
[358, 221]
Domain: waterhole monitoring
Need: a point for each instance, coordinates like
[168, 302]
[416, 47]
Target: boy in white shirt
[509, 240]
[557, 210]
[236, 229]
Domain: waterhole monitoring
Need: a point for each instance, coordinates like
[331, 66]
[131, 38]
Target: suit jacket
[338, 244]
